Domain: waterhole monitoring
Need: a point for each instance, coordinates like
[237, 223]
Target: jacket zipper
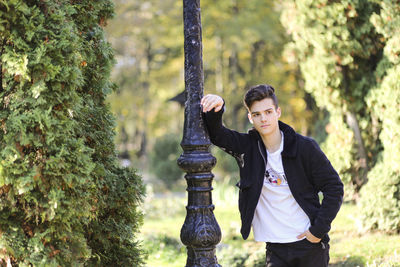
[262, 155]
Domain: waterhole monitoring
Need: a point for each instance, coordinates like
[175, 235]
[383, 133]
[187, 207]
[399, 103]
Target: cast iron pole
[200, 232]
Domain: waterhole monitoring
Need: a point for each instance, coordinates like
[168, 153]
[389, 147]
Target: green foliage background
[338, 50]
[347, 54]
[242, 45]
[64, 200]
[380, 202]
[333, 63]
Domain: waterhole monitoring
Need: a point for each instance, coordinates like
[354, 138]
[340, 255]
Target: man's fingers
[206, 98]
[218, 108]
[301, 236]
[203, 99]
[310, 237]
[210, 101]
[209, 104]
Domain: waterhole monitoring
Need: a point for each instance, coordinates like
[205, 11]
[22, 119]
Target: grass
[165, 215]
[349, 247]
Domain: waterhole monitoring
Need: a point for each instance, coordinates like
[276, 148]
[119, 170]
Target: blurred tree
[64, 200]
[149, 55]
[380, 197]
[243, 43]
[339, 49]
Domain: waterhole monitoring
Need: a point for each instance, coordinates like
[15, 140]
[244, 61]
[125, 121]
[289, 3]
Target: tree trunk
[219, 80]
[352, 121]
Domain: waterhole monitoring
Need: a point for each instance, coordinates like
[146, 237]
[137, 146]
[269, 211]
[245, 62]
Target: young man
[281, 174]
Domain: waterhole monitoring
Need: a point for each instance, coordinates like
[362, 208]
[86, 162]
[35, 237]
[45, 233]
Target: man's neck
[272, 142]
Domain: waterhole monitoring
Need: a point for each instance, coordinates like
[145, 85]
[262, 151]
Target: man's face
[264, 116]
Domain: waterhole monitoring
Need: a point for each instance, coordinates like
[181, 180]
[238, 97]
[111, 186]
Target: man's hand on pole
[211, 101]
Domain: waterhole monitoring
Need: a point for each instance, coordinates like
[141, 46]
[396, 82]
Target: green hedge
[337, 49]
[349, 55]
[64, 200]
[380, 198]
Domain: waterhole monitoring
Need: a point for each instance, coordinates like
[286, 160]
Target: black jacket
[307, 169]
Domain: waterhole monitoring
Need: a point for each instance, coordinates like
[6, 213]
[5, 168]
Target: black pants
[297, 254]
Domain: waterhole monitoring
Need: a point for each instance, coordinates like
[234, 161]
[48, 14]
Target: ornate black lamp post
[200, 231]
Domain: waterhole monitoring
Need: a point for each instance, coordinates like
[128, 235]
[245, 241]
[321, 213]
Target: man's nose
[263, 117]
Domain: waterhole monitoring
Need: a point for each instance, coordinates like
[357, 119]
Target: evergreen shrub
[64, 200]
[380, 197]
[349, 56]
[338, 50]
[164, 155]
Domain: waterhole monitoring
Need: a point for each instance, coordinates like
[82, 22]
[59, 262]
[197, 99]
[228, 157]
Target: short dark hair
[258, 93]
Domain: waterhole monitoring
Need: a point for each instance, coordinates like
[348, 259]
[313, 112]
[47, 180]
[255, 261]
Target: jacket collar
[289, 143]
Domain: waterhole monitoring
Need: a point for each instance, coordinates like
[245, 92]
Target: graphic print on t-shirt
[274, 178]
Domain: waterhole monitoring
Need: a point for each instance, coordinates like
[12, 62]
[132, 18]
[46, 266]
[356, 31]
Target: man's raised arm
[229, 140]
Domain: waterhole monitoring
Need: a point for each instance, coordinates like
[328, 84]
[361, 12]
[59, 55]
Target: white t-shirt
[278, 218]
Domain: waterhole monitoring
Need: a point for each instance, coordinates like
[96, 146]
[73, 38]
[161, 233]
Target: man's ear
[278, 110]
[250, 119]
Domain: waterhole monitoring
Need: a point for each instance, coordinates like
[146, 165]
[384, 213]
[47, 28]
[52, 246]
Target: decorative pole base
[201, 258]
[200, 231]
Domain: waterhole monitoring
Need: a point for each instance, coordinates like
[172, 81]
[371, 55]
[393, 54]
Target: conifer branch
[1, 64]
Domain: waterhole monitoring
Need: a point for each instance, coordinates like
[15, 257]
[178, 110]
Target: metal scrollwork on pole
[200, 232]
